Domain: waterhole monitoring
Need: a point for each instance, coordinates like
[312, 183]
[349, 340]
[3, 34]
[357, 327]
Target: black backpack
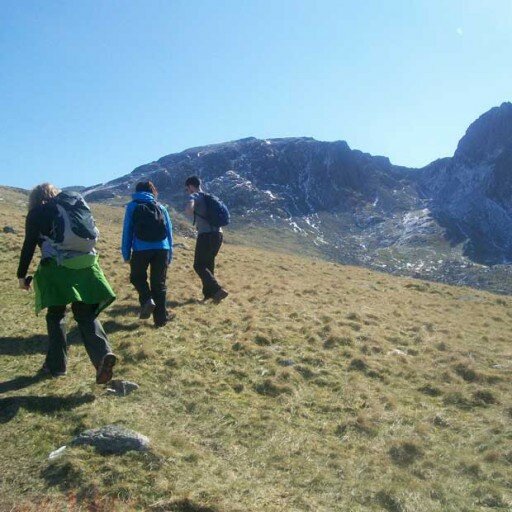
[148, 222]
[217, 213]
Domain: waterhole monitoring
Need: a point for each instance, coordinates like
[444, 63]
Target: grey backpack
[73, 229]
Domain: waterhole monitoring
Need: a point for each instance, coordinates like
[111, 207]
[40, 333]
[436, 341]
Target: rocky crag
[450, 221]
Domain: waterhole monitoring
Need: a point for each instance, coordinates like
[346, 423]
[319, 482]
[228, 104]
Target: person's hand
[23, 284]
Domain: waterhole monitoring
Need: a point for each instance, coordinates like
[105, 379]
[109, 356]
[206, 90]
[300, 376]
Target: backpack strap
[195, 213]
[139, 202]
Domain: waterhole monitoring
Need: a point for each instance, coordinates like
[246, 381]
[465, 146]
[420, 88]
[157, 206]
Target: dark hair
[146, 186]
[194, 181]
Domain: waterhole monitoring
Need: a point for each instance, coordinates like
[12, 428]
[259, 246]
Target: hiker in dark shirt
[209, 241]
[68, 273]
[147, 242]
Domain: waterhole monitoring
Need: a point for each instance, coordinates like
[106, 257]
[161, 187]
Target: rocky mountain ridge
[447, 221]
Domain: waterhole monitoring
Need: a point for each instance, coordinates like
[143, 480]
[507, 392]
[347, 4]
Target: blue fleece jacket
[130, 241]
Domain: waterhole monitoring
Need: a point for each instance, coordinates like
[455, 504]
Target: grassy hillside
[313, 387]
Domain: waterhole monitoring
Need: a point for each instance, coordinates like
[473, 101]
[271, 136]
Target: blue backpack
[217, 213]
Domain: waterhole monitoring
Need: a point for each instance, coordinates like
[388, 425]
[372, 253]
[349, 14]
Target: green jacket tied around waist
[78, 279]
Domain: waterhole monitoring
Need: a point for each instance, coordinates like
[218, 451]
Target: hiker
[147, 242]
[209, 216]
[61, 224]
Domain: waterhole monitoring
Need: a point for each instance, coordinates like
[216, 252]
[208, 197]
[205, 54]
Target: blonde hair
[41, 195]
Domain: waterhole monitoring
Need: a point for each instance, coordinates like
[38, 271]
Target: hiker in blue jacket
[147, 242]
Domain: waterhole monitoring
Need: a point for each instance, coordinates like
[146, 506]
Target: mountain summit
[488, 136]
[471, 193]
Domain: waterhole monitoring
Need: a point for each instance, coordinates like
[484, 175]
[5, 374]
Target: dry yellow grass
[314, 387]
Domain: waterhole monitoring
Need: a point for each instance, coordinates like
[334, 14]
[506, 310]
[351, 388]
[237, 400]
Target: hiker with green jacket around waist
[61, 224]
[147, 242]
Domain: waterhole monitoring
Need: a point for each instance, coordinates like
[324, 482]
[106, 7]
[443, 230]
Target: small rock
[501, 366]
[57, 453]
[286, 362]
[121, 387]
[180, 246]
[112, 439]
[396, 352]
[9, 229]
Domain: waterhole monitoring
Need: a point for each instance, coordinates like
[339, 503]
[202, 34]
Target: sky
[90, 89]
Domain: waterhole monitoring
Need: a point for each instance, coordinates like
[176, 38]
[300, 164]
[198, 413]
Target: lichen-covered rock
[121, 387]
[112, 439]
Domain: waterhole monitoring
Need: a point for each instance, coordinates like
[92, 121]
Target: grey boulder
[112, 439]
[121, 387]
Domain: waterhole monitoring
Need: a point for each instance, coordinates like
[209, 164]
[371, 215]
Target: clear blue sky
[89, 89]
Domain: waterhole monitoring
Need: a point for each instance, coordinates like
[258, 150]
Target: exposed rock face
[488, 136]
[288, 177]
[471, 193]
[357, 208]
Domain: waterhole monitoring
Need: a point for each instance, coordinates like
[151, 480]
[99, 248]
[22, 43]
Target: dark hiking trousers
[91, 331]
[156, 260]
[207, 247]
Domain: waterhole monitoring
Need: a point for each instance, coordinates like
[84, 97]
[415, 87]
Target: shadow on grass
[10, 406]
[64, 475]
[24, 381]
[184, 505]
[35, 344]
[17, 345]
[68, 475]
[177, 304]
[116, 311]
[112, 326]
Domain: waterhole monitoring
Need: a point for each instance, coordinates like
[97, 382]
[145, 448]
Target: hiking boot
[104, 372]
[147, 309]
[44, 370]
[220, 295]
[162, 323]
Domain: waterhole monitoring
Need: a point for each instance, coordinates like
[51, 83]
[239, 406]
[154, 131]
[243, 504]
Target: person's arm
[168, 228]
[32, 232]
[189, 208]
[126, 247]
